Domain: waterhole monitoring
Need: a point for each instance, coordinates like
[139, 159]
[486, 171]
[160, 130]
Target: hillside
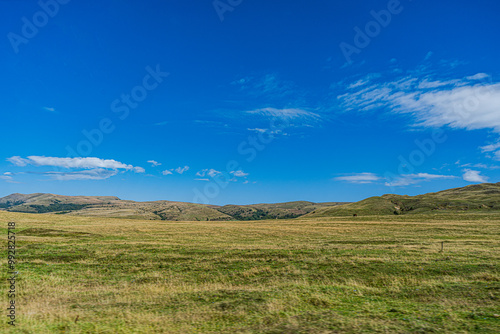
[273, 211]
[107, 206]
[478, 197]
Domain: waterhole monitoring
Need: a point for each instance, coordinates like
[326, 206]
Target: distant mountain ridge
[478, 197]
[110, 206]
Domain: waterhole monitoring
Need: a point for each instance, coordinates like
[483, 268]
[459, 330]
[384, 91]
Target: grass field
[325, 275]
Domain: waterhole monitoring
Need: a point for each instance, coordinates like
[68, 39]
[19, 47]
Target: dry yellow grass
[279, 276]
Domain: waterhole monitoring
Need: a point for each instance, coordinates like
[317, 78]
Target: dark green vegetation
[376, 274]
[474, 198]
[272, 211]
[56, 207]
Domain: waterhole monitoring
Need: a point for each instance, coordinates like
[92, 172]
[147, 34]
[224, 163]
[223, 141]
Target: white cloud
[181, 170]
[495, 148]
[84, 163]
[154, 163]
[267, 86]
[270, 132]
[410, 179]
[399, 181]
[358, 83]
[482, 166]
[167, 172]
[205, 180]
[92, 174]
[478, 76]
[290, 113]
[50, 109]
[139, 170]
[210, 172]
[490, 148]
[94, 168]
[474, 176]
[258, 130]
[424, 84]
[239, 173]
[18, 161]
[457, 103]
[359, 178]
[5, 177]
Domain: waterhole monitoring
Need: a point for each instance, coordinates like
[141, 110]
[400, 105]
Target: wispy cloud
[478, 76]
[474, 176]
[50, 109]
[493, 148]
[167, 172]
[6, 176]
[154, 163]
[458, 103]
[288, 114]
[359, 178]
[266, 86]
[268, 131]
[93, 168]
[210, 172]
[490, 148]
[411, 179]
[93, 174]
[182, 170]
[84, 163]
[239, 173]
[399, 181]
[18, 161]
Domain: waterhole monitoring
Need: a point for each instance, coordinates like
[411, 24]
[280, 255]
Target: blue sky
[248, 101]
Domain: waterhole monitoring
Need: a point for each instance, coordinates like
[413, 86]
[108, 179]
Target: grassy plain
[324, 275]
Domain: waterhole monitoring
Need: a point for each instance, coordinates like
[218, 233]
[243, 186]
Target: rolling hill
[478, 197]
[108, 206]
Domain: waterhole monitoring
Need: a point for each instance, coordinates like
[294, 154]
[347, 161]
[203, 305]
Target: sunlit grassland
[325, 275]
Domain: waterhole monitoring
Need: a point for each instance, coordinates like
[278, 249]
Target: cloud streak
[287, 114]
[359, 178]
[400, 181]
[154, 163]
[92, 174]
